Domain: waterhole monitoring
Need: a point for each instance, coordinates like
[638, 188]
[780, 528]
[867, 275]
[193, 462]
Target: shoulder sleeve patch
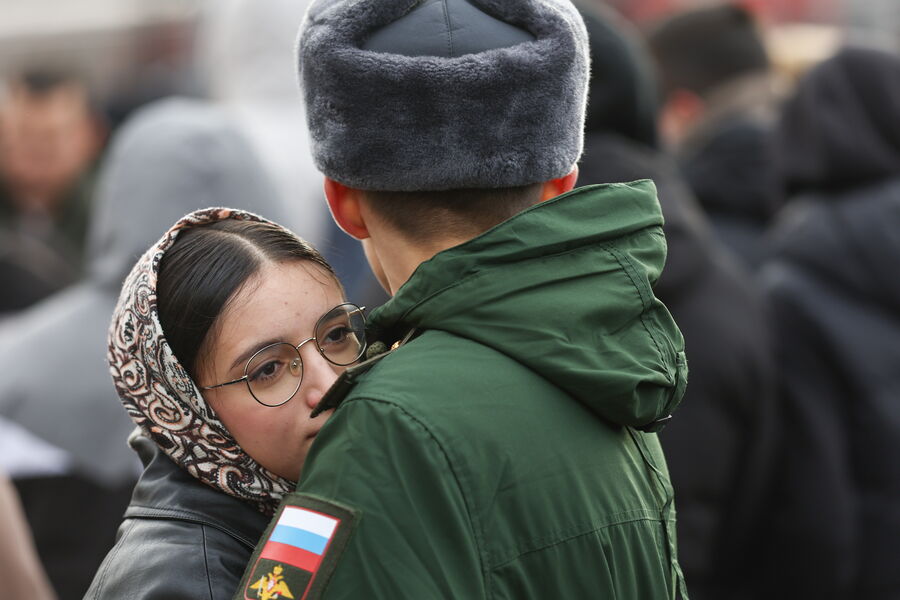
[299, 551]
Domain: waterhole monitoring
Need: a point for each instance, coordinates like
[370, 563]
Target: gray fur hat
[427, 95]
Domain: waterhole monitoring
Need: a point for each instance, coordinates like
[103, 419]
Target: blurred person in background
[720, 445]
[69, 453]
[718, 114]
[50, 137]
[20, 569]
[834, 285]
[245, 50]
[29, 271]
[245, 54]
[161, 65]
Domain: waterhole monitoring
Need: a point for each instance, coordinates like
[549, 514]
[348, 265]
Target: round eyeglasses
[274, 373]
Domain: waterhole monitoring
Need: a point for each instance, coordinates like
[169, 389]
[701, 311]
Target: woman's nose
[318, 375]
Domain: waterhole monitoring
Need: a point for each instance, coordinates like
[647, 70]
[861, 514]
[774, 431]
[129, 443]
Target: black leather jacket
[180, 539]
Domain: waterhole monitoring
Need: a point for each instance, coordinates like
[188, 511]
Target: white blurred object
[873, 23]
[795, 47]
[246, 49]
[23, 454]
[95, 38]
[27, 18]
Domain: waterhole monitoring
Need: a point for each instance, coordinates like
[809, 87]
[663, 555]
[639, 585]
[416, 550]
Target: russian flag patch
[298, 552]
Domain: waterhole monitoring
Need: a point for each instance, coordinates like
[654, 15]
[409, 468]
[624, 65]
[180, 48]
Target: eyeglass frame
[245, 378]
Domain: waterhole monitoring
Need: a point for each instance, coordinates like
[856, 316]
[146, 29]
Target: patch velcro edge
[299, 549]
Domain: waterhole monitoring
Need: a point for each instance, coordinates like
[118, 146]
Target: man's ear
[344, 203]
[559, 186]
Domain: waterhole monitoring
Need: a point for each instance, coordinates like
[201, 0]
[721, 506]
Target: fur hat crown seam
[413, 121]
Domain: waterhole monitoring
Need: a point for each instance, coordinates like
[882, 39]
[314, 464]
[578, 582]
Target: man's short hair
[39, 82]
[699, 50]
[37, 85]
[466, 213]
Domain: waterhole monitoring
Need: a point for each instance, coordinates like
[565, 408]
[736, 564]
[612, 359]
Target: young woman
[227, 334]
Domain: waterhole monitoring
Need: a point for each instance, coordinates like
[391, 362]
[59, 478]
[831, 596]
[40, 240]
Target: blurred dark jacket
[719, 445]
[728, 161]
[43, 254]
[834, 283]
[37, 270]
[718, 54]
[174, 157]
[65, 231]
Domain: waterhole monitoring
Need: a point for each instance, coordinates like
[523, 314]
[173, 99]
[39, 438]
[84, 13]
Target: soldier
[499, 440]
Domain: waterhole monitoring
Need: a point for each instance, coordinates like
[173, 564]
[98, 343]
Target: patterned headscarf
[161, 397]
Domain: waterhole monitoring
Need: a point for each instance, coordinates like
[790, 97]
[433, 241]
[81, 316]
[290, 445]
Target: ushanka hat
[160, 395]
[422, 95]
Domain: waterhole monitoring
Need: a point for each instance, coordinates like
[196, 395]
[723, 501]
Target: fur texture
[500, 118]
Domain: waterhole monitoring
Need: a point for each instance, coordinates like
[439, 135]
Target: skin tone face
[281, 303]
[682, 111]
[47, 141]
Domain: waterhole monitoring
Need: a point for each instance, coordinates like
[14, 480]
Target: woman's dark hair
[207, 266]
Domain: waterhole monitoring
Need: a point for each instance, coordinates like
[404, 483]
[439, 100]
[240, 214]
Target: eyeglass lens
[275, 372]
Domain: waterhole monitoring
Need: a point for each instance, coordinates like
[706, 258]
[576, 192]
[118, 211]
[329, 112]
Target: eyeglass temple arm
[218, 385]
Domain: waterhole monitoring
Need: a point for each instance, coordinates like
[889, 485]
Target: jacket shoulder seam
[149, 512]
[615, 520]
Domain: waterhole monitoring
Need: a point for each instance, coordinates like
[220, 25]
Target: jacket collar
[166, 491]
[565, 289]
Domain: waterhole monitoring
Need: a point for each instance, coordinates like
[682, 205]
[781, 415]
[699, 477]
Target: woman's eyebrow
[250, 351]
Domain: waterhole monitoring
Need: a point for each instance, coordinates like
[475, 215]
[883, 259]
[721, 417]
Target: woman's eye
[336, 335]
[266, 371]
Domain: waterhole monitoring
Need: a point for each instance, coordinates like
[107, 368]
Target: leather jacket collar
[166, 491]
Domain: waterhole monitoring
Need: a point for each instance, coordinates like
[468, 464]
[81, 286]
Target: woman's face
[281, 303]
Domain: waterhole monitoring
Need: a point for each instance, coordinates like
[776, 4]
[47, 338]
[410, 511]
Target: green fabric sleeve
[414, 538]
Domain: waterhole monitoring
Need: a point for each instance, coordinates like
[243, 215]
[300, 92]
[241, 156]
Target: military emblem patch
[298, 552]
[272, 585]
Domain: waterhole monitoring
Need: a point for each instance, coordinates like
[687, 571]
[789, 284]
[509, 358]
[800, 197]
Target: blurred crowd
[778, 171]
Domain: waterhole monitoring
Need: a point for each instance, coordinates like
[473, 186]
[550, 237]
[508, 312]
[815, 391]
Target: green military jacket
[498, 453]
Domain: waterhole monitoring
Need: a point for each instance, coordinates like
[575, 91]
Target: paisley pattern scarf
[160, 396]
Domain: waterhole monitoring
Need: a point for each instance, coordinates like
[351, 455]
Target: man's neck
[394, 257]
[398, 258]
